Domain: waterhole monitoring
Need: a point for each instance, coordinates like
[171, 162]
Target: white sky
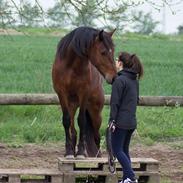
[169, 21]
[170, 18]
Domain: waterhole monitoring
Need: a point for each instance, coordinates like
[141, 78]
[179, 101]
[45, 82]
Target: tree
[144, 23]
[81, 12]
[57, 16]
[118, 19]
[30, 15]
[87, 13]
[6, 15]
[180, 29]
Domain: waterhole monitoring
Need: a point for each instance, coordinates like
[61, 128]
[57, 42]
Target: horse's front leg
[70, 134]
[82, 125]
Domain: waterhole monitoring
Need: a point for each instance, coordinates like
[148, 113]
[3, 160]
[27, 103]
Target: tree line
[73, 13]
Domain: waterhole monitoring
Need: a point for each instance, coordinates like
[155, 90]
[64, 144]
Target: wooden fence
[52, 99]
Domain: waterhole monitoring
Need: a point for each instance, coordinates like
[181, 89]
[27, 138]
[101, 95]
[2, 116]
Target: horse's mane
[80, 40]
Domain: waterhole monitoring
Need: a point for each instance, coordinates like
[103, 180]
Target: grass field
[39, 124]
[25, 67]
[26, 61]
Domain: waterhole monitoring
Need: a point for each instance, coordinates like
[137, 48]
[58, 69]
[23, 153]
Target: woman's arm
[116, 98]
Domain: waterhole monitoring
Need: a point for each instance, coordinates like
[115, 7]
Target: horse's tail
[91, 146]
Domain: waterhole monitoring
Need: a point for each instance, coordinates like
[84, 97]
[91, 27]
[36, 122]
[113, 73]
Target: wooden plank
[28, 99]
[152, 167]
[35, 172]
[101, 164]
[76, 173]
[97, 173]
[32, 181]
[161, 101]
[52, 99]
[65, 166]
[105, 160]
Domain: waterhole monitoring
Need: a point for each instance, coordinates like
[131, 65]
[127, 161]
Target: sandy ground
[169, 155]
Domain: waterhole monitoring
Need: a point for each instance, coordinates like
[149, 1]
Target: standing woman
[123, 104]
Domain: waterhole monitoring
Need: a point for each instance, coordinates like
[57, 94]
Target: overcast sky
[169, 17]
[169, 21]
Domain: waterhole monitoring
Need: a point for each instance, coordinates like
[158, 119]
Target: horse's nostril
[109, 79]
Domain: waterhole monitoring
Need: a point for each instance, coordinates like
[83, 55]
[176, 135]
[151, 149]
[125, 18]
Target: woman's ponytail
[131, 61]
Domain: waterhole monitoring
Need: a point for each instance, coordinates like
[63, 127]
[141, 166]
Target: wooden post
[57, 179]
[14, 179]
[113, 178]
[69, 178]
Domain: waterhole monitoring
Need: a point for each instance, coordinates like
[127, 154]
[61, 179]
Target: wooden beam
[174, 101]
[28, 99]
[52, 99]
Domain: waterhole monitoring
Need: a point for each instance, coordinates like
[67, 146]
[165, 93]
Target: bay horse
[83, 56]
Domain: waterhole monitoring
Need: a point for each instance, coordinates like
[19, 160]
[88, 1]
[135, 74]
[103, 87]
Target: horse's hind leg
[92, 137]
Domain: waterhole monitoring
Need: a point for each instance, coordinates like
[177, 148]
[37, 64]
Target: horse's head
[102, 55]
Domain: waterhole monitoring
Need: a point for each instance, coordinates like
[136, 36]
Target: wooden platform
[146, 169]
[71, 171]
[31, 176]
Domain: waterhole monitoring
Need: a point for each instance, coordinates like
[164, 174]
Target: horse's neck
[95, 72]
[79, 65]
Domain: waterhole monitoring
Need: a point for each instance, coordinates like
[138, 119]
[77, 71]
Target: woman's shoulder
[120, 80]
[121, 77]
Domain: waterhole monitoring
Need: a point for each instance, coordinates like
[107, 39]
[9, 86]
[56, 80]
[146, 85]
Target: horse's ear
[112, 32]
[100, 36]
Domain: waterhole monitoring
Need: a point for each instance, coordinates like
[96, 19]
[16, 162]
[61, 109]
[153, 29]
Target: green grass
[40, 124]
[26, 61]
[25, 67]
[162, 64]
[30, 124]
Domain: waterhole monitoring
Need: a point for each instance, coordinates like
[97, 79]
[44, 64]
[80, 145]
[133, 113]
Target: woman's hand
[112, 126]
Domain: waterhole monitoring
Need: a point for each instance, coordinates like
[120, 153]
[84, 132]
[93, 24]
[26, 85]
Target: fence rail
[52, 99]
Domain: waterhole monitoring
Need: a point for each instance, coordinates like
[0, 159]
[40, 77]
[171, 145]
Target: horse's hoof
[80, 157]
[69, 156]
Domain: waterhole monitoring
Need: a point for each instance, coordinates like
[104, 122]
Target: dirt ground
[170, 156]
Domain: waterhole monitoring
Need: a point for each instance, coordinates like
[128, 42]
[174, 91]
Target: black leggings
[120, 145]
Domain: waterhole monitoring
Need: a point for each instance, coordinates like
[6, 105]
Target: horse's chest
[79, 84]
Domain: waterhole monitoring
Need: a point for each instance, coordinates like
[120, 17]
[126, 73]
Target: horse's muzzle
[109, 78]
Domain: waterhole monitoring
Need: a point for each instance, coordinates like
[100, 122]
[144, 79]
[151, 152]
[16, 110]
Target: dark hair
[81, 39]
[131, 61]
